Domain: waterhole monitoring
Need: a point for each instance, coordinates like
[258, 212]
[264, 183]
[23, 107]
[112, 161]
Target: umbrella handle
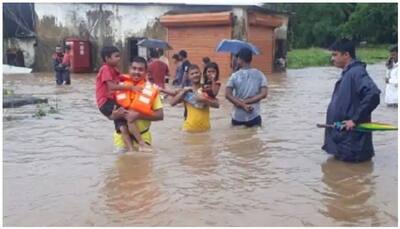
[325, 125]
[337, 125]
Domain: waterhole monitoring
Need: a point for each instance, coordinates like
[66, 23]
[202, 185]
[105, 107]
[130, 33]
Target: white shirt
[391, 86]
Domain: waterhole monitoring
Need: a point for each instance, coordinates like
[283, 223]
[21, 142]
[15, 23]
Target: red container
[80, 55]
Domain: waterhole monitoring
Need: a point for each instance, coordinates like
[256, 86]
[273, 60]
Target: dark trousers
[353, 160]
[66, 77]
[254, 122]
[59, 77]
[63, 77]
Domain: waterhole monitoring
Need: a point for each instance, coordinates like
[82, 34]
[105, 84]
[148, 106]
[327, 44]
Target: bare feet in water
[143, 147]
[130, 152]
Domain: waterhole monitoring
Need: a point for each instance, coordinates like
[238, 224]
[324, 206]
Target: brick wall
[263, 38]
[200, 41]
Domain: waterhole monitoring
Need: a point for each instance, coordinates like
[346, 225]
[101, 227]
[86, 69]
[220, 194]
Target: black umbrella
[153, 43]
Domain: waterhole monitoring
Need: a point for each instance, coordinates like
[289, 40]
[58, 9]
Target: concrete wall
[102, 24]
[281, 32]
[26, 45]
[199, 42]
[240, 23]
[263, 38]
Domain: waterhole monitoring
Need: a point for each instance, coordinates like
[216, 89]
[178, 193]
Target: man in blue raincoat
[354, 98]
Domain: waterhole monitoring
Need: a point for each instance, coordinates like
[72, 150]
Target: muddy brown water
[60, 170]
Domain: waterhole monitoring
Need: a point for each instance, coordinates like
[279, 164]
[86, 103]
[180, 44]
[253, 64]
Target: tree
[372, 22]
[319, 24]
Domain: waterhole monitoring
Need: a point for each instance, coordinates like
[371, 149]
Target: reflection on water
[348, 190]
[123, 187]
[129, 189]
[276, 175]
[200, 157]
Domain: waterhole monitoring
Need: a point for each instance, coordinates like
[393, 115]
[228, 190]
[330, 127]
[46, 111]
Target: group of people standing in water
[354, 98]
[123, 98]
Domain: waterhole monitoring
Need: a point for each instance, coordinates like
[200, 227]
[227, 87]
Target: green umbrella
[362, 127]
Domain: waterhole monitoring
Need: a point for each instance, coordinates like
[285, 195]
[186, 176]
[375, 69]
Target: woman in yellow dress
[196, 102]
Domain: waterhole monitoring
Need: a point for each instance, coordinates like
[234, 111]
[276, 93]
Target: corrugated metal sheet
[18, 20]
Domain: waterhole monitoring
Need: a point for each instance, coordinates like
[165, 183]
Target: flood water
[60, 170]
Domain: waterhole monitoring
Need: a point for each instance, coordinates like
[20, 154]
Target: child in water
[211, 79]
[196, 102]
[107, 83]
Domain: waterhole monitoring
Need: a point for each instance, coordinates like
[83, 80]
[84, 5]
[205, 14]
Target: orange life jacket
[140, 102]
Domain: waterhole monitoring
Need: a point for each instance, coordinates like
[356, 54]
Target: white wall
[281, 32]
[126, 20]
[241, 25]
[25, 45]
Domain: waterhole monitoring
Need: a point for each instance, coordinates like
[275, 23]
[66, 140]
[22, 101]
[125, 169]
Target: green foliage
[371, 55]
[53, 110]
[44, 109]
[311, 57]
[300, 58]
[40, 112]
[320, 24]
[375, 23]
[8, 92]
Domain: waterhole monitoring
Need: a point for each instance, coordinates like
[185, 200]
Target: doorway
[135, 50]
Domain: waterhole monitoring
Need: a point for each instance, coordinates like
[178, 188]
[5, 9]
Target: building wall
[108, 23]
[281, 32]
[102, 24]
[281, 45]
[240, 23]
[264, 39]
[26, 45]
[199, 42]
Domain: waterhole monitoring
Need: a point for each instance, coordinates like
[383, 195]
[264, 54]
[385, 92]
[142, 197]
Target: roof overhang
[197, 19]
[258, 19]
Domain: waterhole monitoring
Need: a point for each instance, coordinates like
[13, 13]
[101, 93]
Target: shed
[199, 33]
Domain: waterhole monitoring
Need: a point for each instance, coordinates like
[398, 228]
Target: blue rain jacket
[354, 98]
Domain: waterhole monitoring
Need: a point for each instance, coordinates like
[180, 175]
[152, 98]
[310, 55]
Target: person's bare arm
[117, 113]
[212, 102]
[112, 86]
[184, 79]
[262, 95]
[170, 92]
[215, 87]
[235, 101]
[157, 115]
[179, 97]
